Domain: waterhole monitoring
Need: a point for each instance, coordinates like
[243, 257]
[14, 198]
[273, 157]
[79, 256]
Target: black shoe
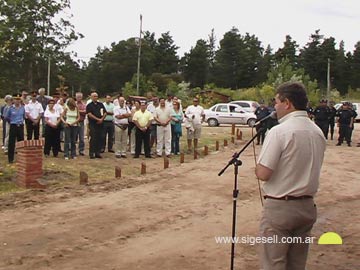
[61, 151]
[111, 151]
[338, 144]
[81, 154]
[136, 156]
[92, 157]
[98, 156]
[349, 144]
[102, 151]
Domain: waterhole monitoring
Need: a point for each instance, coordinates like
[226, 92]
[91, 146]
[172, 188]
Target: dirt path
[169, 220]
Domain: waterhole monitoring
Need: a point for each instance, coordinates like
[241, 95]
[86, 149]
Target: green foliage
[129, 90]
[30, 31]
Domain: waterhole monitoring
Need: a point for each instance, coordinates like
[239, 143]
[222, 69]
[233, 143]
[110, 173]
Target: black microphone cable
[255, 160]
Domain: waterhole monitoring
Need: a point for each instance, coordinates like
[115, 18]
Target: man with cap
[142, 120]
[33, 113]
[345, 122]
[96, 113]
[43, 100]
[332, 116]
[322, 114]
[261, 112]
[15, 115]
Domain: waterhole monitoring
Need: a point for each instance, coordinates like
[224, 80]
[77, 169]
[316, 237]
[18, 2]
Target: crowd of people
[150, 127]
[325, 117]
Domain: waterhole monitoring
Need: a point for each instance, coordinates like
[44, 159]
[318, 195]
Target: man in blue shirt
[15, 116]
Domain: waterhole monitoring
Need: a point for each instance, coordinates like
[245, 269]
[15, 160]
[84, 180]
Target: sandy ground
[168, 219]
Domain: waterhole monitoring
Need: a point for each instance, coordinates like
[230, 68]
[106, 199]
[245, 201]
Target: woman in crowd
[176, 131]
[52, 130]
[131, 127]
[70, 118]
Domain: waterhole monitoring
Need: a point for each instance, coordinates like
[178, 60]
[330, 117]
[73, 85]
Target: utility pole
[48, 77]
[139, 57]
[328, 82]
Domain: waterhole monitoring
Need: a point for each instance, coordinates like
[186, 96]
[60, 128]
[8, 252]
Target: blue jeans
[175, 141]
[70, 141]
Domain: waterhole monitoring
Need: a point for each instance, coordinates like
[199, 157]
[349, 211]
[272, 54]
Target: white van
[356, 107]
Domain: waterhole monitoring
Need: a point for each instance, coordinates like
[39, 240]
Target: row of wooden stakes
[84, 176]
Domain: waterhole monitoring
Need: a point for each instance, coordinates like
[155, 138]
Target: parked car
[226, 113]
[356, 107]
[248, 105]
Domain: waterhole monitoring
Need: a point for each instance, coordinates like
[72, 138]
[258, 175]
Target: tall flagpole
[139, 57]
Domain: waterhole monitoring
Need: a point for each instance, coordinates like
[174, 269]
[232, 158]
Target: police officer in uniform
[15, 115]
[354, 116]
[333, 112]
[345, 123]
[322, 115]
[261, 112]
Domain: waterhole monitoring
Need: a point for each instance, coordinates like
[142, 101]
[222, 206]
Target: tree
[30, 32]
[237, 60]
[288, 51]
[166, 60]
[197, 64]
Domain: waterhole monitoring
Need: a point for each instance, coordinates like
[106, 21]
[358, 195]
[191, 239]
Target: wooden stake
[182, 157]
[233, 129]
[143, 168]
[217, 146]
[117, 172]
[195, 154]
[206, 150]
[225, 143]
[84, 178]
[166, 163]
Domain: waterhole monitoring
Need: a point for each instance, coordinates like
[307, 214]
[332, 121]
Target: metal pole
[139, 56]
[48, 77]
[328, 82]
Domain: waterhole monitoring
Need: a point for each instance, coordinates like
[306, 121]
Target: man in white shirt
[33, 113]
[289, 164]
[169, 101]
[121, 115]
[196, 114]
[163, 117]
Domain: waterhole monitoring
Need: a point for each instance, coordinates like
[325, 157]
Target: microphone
[272, 115]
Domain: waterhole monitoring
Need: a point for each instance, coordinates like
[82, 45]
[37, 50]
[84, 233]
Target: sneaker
[66, 158]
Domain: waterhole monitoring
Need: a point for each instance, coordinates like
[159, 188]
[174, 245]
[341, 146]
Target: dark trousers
[31, 129]
[52, 140]
[261, 136]
[332, 126]
[70, 141]
[96, 140]
[80, 137]
[344, 133]
[16, 133]
[109, 130]
[142, 137]
[324, 126]
[175, 141]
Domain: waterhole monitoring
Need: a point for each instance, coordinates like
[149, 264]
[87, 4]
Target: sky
[107, 21]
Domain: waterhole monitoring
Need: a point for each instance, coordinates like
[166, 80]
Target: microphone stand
[236, 162]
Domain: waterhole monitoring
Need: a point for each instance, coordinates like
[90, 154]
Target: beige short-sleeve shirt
[294, 150]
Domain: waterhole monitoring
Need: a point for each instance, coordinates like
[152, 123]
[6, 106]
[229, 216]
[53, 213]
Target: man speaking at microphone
[289, 164]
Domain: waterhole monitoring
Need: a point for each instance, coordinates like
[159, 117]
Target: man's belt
[288, 197]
